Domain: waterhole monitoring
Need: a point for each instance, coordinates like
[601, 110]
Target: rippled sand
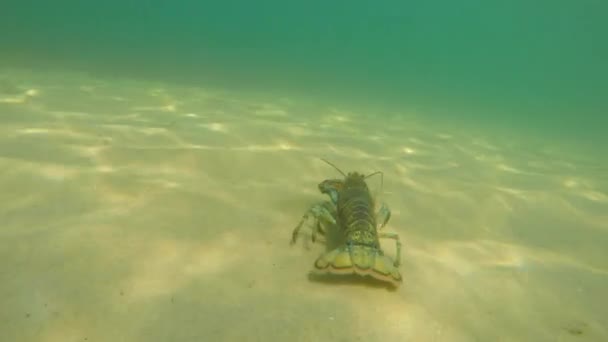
[134, 211]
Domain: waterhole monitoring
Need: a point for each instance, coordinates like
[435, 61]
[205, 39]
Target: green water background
[534, 66]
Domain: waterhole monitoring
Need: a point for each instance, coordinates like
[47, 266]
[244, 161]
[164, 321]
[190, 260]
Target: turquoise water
[528, 65]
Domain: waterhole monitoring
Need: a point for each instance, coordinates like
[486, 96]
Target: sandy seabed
[135, 211]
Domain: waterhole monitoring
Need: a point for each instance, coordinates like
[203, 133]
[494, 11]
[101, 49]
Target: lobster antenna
[335, 167]
[381, 178]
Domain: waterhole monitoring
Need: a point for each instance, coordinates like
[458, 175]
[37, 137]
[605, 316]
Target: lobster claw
[331, 187]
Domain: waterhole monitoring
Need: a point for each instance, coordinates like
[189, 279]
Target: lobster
[351, 210]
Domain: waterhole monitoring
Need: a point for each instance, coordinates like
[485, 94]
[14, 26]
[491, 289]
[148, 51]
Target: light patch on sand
[578, 183]
[511, 191]
[595, 196]
[467, 257]
[154, 130]
[286, 146]
[408, 150]
[157, 92]
[13, 100]
[105, 169]
[402, 169]
[485, 144]
[478, 260]
[585, 189]
[61, 132]
[171, 107]
[56, 172]
[200, 147]
[90, 151]
[570, 183]
[119, 127]
[32, 92]
[216, 127]
[166, 184]
[280, 146]
[299, 131]
[444, 136]
[339, 115]
[493, 156]
[22, 98]
[34, 131]
[67, 114]
[340, 118]
[507, 168]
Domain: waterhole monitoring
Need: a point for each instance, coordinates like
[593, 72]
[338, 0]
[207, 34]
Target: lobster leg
[323, 212]
[395, 237]
[383, 215]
